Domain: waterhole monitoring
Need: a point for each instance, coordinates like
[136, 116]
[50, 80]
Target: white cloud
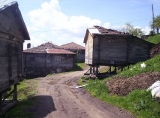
[49, 23]
[146, 30]
[107, 25]
[59, 27]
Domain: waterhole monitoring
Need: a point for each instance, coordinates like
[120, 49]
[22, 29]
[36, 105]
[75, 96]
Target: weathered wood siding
[115, 50]
[80, 57]
[138, 51]
[37, 63]
[89, 50]
[10, 60]
[9, 23]
[109, 50]
[4, 70]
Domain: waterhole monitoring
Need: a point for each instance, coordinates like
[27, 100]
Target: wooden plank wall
[109, 49]
[9, 24]
[10, 60]
[4, 74]
[47, 62]
[115, 50]
[89, 50]
[81, 56]
[139, 51]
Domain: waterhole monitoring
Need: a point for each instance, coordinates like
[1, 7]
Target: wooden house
[76, 48]
[40, 61]
[112, 48]
[13, 32]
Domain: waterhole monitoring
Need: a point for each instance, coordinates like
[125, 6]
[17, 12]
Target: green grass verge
[26, 91]
[78, 66]
[152, 65]
[138, 102]
[154, 39]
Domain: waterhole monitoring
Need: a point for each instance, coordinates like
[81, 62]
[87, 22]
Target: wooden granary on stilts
[107, 47]
[13, 32]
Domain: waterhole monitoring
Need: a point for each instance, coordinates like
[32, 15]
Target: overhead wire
[86, 27]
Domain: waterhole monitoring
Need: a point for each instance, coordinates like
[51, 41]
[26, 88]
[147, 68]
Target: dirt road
[59, 98]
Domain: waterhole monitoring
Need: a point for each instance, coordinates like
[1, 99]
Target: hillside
[127, 89]
[138, 77]
[154, 39]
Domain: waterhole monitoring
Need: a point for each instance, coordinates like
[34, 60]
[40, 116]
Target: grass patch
[138, 102]
[78, 66]
[103, 69]
[26, 92]
[152, 65]
[154, 39]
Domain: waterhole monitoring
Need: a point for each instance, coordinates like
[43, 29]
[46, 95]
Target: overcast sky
[64, 21]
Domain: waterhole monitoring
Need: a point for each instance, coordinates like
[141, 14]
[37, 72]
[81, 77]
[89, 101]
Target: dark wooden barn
[76, 48]
[13, 32]
[40, 61]
[112, 48]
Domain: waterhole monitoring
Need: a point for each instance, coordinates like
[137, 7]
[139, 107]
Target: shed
[40, 61]
[76, 48]
[109, 47]
[13, 32]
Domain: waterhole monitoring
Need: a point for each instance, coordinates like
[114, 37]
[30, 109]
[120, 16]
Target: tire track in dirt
[65, 101]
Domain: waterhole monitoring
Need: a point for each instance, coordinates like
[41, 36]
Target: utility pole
[153, 16]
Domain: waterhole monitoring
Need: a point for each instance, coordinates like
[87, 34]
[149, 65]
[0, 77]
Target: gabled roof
[58, 51]
[103, 31]
[98, 30]
[6, 9]
[48, 48]
[41, 48]
[72, 46]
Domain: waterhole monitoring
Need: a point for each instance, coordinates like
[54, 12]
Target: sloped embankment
[121, 86]
[155, 50]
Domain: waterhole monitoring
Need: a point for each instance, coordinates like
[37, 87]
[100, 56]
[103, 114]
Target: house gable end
[12, 23]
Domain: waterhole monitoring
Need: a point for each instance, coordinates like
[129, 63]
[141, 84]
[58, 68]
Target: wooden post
[93, 69]
[109, 69]
[0, 102]
[96, 71]
[90, 69]
[15, 93]
[115, 69]
[121, 68]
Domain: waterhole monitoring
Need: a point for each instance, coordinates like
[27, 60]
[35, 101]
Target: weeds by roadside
[138, 102]
[26, 99]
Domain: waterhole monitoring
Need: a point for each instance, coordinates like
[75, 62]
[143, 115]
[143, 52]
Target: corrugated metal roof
[58, 51]
[72, 46]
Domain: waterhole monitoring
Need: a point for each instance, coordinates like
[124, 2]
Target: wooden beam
[90, 69]
[96, 71]
[0, 102]
[15, 93]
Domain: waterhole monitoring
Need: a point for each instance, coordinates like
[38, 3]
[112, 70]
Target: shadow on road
[37, 106]
[45, 105]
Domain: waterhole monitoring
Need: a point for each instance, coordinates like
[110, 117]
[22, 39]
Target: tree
[130, 29]
[156, 23]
